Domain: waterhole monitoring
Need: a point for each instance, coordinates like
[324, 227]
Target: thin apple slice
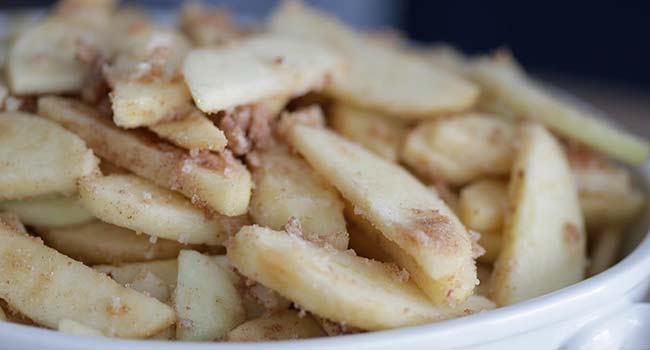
[256, 69]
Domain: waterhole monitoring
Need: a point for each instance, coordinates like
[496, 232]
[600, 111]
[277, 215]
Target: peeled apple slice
[43, 58]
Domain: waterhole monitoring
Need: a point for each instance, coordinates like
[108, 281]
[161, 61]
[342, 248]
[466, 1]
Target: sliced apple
[285, 188]
[206, 301]
[49, 287]
[39, 157]
[50, 211]
[377, 76]
[379, 133]
[543, 247]
[215, 180]
[256, 69]
[337, 285]
[507, 84]
[434, 246]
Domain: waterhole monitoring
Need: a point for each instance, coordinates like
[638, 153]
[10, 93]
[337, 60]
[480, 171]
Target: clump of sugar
[227, 172]
[421, 237]
[398, 274]
[293, 227]
[187, 167]
[12, 104]
[477, 249]
[149, 254]
[185, 323]
[116, 303]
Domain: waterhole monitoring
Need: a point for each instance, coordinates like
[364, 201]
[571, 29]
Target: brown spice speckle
[431, 227]
[572, 235]
[293, 227]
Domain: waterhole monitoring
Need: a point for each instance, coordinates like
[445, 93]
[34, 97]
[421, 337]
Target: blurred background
[599, 51]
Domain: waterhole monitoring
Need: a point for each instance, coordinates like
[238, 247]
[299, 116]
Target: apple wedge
[192, 131]
[482, 205]
[97, 242]
[217, 181]
[377, 76]
[39, 157]
[50, 211]
[338, 285]
[135, 203]
[43, 58]
[205, 299]
[505, 83]
[377, 132]
[434, 246]
[49, 287]
[461, 148]
[281, 325]
[286, 187]
[255, 69]
[543, 245]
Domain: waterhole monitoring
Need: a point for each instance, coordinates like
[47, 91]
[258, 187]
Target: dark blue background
[601, 40]
[604, 40]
